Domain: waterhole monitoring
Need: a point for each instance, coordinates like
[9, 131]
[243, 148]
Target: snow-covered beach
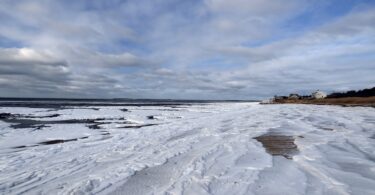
[213, 148]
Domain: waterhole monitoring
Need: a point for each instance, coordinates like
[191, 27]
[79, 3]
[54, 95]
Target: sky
[185, 49]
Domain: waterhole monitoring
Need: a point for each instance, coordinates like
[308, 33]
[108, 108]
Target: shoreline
[347, 101]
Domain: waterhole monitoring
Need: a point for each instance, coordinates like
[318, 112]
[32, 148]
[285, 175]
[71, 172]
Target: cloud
[358, 22]
[25, 61]
[258, 8]
[25, 56]
[211, 49]
[94, 59]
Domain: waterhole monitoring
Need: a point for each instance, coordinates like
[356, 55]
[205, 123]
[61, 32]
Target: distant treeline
[352, 93]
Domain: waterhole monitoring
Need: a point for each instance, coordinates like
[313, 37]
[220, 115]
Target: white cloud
[28, 56]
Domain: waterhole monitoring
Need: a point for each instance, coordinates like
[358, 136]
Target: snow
[195, 149]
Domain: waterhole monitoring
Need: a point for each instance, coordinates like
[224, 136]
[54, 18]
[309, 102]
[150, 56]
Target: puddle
[278, 145]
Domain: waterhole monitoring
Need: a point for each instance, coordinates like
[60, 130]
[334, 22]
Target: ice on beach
[190, 149]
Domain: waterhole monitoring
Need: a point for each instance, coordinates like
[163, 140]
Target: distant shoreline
[60, 103]
[347, 101]
[7, 99]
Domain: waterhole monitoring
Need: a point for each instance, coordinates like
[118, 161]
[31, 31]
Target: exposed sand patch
[278, 145]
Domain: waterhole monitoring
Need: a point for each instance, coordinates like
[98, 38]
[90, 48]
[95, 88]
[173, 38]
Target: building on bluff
[318, 95]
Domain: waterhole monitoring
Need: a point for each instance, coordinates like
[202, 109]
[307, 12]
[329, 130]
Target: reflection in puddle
[278, 145]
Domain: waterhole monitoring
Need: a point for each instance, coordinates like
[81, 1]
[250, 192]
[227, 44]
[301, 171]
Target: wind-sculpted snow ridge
[216, 148]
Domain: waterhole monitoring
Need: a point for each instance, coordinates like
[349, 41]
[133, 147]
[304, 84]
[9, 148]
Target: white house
[269, 101]
[318, 95]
